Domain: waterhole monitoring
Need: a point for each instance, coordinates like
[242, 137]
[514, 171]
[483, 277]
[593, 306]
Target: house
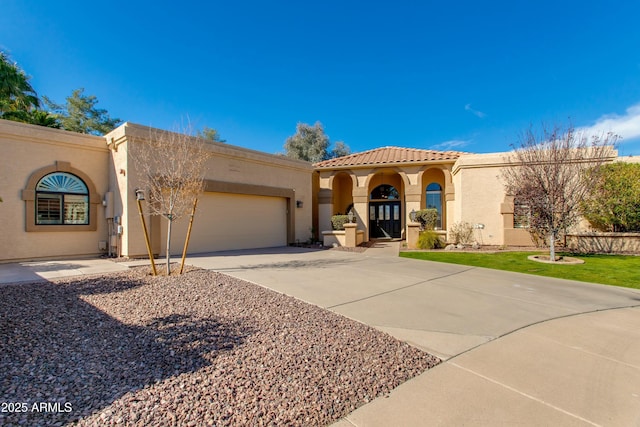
[67, 194]
[383, 186]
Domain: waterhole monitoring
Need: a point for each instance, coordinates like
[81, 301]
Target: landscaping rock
[198, 349]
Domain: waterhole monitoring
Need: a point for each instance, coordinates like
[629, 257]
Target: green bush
[427, 218]
[338, 221]
[429, 239]
[614, 201]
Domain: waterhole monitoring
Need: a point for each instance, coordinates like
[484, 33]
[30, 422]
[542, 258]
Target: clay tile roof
[386, 155]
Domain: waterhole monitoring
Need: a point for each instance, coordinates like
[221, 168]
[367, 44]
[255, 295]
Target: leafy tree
[546, 171]
[16, 93]
[340, 149]
[80, 114]
[210, 134]
[614, 201]
[43, 118]
[34, 117]
[310, 143]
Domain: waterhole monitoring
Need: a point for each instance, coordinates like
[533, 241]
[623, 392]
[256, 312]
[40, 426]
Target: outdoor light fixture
[412, 215]
[351, 216]
[139, 194]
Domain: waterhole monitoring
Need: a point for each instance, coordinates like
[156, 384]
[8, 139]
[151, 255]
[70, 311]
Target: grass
[615, 270]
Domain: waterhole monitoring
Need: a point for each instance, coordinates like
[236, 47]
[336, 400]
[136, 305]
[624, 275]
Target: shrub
[461, 232]
[429, 239]
[338, 221]
[427, 218]
[614, 201]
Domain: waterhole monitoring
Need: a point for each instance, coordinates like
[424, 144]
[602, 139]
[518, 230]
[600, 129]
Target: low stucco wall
[335, 237]
[604, 242]
[338, 237]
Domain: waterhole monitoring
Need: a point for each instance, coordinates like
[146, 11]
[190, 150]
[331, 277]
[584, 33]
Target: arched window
[434, 201]
[385, 191]
[61, 199]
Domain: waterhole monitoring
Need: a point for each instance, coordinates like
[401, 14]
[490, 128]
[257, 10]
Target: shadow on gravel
[70, 359]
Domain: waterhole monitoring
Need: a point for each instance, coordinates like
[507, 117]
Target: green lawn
[616, 270]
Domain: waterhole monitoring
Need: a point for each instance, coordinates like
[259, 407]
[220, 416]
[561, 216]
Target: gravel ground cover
[198, 349]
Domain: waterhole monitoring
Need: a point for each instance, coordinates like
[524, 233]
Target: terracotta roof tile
[386, 155]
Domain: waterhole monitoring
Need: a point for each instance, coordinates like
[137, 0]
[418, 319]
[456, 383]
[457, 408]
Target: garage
[227, 221]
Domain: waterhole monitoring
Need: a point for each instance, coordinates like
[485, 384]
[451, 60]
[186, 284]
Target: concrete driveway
[519, 349]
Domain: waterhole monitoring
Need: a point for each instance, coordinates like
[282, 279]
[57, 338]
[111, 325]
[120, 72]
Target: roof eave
[391, 164]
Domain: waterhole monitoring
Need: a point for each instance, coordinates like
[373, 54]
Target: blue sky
[468, 76]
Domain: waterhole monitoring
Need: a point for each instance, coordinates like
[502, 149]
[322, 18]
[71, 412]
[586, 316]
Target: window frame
[65, 200]
[427, 193]
[391, 192]
[29, 196]
[521, 215]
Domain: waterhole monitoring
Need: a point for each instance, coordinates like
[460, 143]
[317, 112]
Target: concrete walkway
[518, 349]
[33, 271]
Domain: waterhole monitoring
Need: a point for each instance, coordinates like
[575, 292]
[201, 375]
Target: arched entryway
[342, 193]
[385, 206]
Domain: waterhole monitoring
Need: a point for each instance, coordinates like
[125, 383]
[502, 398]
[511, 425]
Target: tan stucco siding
[479, 195]
[28, 148]
[240, 168]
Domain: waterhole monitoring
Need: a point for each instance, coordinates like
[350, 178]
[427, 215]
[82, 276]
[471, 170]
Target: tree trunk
[186, 240]
[552, 247]
[169, 246]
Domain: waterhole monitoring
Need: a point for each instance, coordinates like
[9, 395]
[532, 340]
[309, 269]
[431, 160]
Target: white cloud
[476, 113]
[454, 144]
[627, 125]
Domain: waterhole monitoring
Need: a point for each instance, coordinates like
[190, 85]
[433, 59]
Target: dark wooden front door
[384, 219]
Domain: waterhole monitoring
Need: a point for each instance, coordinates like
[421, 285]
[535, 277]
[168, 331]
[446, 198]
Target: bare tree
[171, 168]
[546, 173]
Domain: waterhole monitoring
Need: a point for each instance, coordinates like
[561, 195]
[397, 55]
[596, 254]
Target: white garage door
[226, 221]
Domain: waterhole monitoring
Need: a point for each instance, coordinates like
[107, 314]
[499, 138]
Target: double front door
[384, 219]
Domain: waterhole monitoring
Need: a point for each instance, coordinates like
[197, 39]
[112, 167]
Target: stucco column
[361, 208]
[413, 233]
[350, 235]
[413, 200]
[325, 209]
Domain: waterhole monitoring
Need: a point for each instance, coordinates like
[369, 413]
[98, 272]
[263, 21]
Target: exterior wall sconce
[139, 199]
[298, 203]
[412, 215]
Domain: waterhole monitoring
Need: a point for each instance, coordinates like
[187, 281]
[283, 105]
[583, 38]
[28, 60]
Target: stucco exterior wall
[27, 148]
[246, 171]
[355, 184]
[479, 199]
